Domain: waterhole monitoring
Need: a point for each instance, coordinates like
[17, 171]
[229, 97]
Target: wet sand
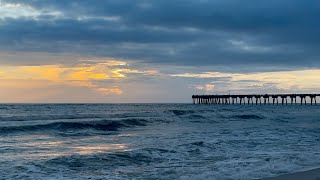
[305, 175]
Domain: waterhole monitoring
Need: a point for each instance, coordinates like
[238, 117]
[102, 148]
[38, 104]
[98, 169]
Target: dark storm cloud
[275, 33]
[95, 31]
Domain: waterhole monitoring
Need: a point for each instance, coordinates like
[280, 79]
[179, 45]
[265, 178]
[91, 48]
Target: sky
[156, 51]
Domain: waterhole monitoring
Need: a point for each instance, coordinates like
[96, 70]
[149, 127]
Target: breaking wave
[102, 125]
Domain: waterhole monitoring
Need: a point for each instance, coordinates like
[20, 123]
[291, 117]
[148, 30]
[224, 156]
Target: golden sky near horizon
[102, 79]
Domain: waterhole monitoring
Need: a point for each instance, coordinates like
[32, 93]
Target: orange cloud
[87, 74]
[107, 91]
[81, 75]
[60, 73]
[206, 87]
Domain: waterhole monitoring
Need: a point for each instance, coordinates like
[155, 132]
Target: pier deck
[255, 99]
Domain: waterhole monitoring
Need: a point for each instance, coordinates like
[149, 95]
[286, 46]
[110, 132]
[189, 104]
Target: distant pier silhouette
[255, 99]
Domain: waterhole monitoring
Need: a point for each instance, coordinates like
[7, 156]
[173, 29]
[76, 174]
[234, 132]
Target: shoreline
[313, 174]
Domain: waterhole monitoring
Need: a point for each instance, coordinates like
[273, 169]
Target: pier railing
[255, 99]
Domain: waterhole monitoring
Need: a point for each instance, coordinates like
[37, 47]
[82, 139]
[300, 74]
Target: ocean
[157, 141]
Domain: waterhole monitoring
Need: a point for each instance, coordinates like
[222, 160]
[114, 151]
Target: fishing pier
[256, 99]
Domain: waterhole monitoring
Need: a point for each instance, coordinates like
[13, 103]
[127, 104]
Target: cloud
[203, 75]
[89, 75]
[206, 87]
[19, 10]
[265, 82]
[143, 49]
[107, 91]
[121, 72]
[242, 35]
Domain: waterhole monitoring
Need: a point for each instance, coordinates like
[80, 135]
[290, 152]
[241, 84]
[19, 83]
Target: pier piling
[257, 98]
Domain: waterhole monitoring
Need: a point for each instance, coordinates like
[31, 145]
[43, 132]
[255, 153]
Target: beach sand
[305, 175]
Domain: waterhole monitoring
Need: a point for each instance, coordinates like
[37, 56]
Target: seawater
[157, 141]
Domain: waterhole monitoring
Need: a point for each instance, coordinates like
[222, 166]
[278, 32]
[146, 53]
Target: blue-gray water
[157, 141]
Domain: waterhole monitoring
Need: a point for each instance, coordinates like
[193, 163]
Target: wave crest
[103, 125]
